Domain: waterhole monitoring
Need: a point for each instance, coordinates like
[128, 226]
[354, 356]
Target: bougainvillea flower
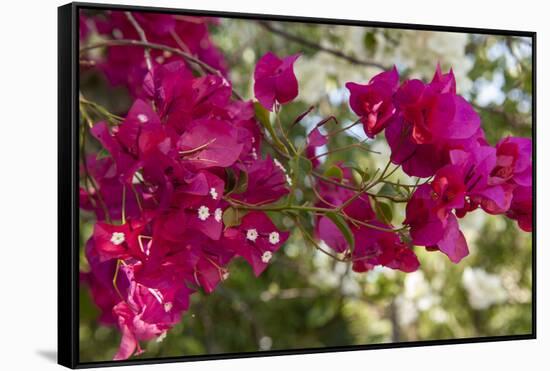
[430, 121]
[514, 162]
[118, 241]
[475, 168]
[203, 205]
[211, 268]
[255, 239]
[125, 65]
[139, 134]
[435, 117]
[182, 99]
[274, 80]
[314, 139]
[266, 182]
[377, 247]
[209, 143]
[106, 198]
[449, 190]
[100, 281]
[333, 196]
[443, 82]
[427, 223]
[147, 313]
[453, 244]
[373, 102]
[521, 208]
[431, 220]
[420, 160]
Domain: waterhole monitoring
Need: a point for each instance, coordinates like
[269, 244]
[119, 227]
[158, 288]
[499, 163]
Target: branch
[143, 37]
[311, 44]
[515, 120]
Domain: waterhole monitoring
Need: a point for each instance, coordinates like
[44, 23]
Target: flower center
[266, 256]
[274, 238]
[117, 238]
[218, 214]
[213, 193]
[203, 213]
[252, 234]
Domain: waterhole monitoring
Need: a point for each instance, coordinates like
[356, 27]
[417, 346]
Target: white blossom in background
[417, 51]
[418, 296]
[484, 289]
[421, 50]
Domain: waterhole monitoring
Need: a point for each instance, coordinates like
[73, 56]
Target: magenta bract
[274, 80]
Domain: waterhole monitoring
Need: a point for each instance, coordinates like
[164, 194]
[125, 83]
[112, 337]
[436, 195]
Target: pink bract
[274, 80]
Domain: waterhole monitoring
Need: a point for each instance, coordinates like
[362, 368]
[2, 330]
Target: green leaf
[300, 164]
[321, 313]
[236, 183]
[384, 211]
[363, 174]
[370, 41]
[233, 217]
[391, 190]
[231, 180]
[339, 221]
[103, 153]
[334, 172]
[242, 183]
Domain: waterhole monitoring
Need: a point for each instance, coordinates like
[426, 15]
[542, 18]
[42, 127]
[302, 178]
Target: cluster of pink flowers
[166, 178]
[434, 132]
[125, 65]
[176, 161]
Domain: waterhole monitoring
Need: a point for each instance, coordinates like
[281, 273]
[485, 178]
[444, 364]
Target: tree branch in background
[311, 44]
[514, 120]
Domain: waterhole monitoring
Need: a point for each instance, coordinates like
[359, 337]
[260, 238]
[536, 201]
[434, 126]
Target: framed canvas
[241, 185]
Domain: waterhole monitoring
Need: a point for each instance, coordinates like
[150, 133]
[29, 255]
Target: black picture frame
[68, 173]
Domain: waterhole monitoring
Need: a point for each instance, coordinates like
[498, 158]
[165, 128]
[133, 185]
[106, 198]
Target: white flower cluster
[484, 289]
[418, 296]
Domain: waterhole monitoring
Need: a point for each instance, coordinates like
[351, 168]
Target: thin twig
[143, 37]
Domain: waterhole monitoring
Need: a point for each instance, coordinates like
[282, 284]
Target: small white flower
[289, 180]
[117, 34]
[117, 238]
[225, 275]
[168, 306]
[274, 238]
[254, 154]
[266, 256]
[203, 213]
[252, 234]
[142, 118]
[218, 214]
[213, 193]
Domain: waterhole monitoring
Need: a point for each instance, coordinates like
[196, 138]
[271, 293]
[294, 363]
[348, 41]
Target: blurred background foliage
[307, 300]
